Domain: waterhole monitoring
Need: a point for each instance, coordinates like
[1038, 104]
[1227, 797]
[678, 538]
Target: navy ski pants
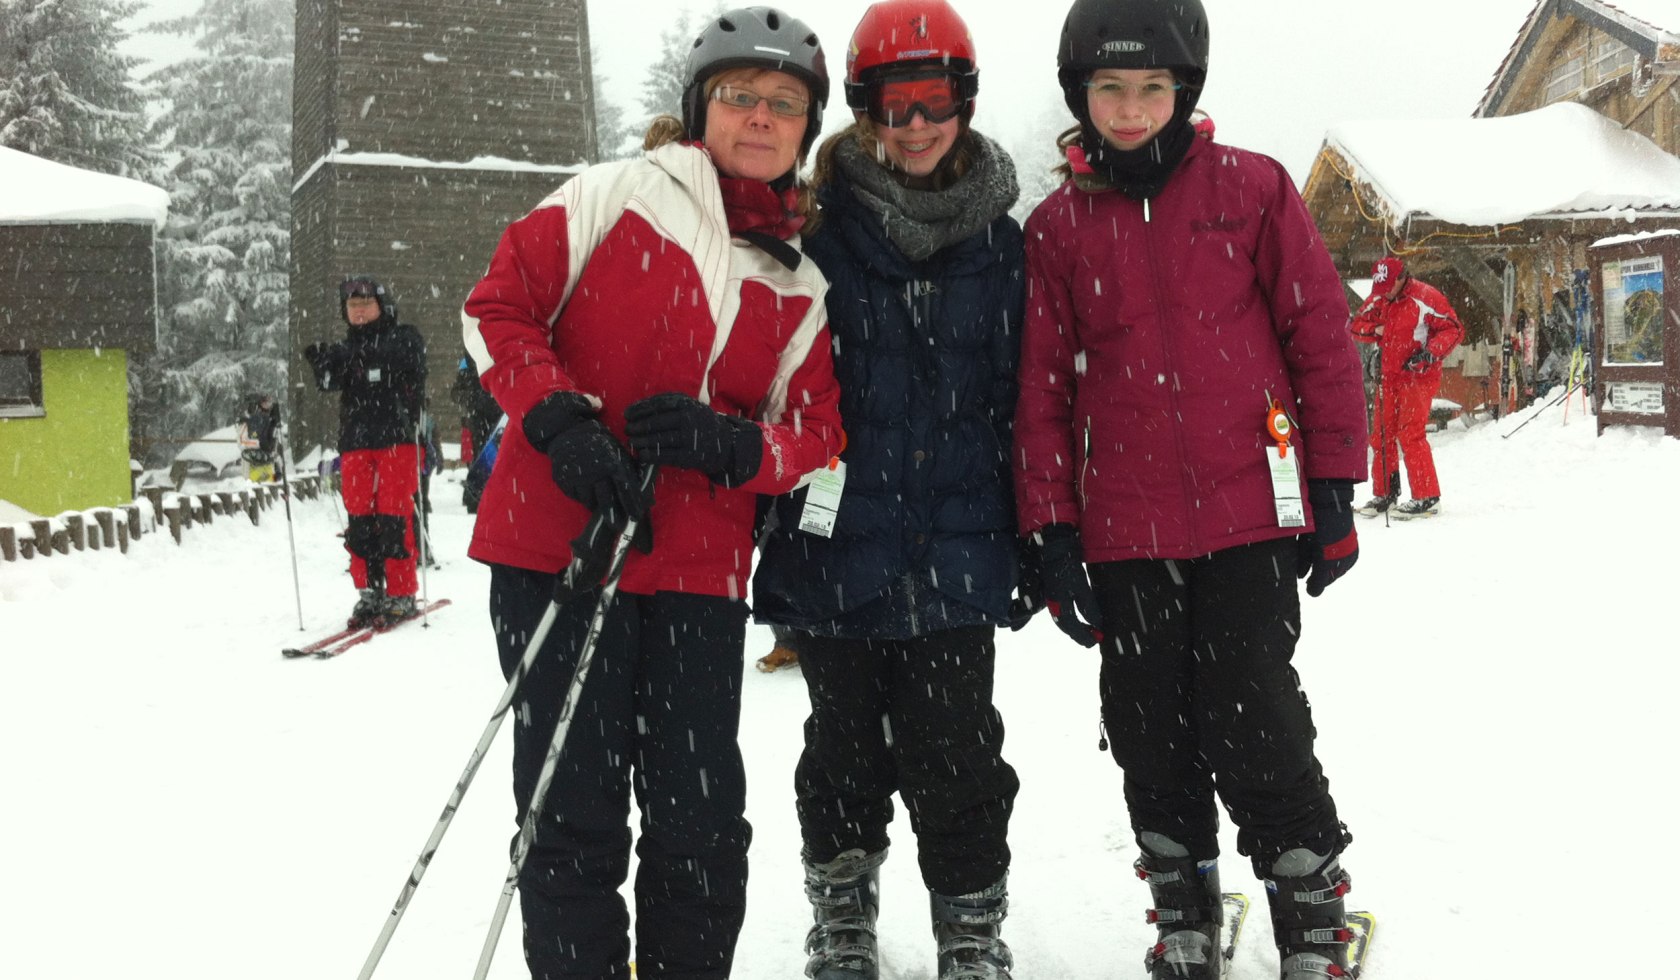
[658, 717]
[1198, 695]
[913, 717]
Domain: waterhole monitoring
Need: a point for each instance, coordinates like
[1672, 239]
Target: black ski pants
[658, 716]
[1198, 695]
[913, 717]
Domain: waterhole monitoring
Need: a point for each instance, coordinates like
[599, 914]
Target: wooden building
[422, 128]
[1576, 139]
[78, 297]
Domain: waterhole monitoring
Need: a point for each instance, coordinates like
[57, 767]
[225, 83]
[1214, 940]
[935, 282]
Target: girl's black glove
[1067, 589]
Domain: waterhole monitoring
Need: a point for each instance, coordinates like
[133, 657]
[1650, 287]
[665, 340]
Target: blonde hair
[666, 128]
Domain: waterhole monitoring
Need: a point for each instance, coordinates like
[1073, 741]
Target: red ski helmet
[908, 36]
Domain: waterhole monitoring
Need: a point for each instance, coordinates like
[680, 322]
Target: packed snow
[1564, 160]
[1493, 691]
[36, 190]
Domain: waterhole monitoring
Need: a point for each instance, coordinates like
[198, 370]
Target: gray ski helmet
[360, 285]
[1133, 34]
[755, 37]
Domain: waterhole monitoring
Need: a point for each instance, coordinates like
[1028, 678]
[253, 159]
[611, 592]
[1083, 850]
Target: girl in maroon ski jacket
[1191, 423]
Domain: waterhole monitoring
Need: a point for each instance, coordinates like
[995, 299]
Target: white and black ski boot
[1418, 507]
[1188, 912]
[845, 898]
[1309, 917]
[370, 603]
[966, 928]
[398, 608]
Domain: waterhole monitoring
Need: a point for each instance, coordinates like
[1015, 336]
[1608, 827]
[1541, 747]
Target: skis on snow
[337, 643]
[1363, 925]
[1236, 911]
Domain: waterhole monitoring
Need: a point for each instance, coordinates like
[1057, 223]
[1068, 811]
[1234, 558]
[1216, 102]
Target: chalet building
[78, 298]
[420, 130]
[1575, 142]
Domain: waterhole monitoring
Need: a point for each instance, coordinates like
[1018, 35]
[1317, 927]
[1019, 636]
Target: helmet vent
[774, 21]
[726, 24]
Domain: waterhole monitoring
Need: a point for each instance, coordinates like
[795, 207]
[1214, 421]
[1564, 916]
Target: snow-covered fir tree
[614, 134]
[224, 260]
[662, 87]
[65, 92]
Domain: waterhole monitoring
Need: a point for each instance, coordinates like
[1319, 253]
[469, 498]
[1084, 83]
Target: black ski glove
[674, 429]
[1333, 546]
[1419, 362]
[1067, 589]
[592, 550]
[1029, 583]
[588, 464]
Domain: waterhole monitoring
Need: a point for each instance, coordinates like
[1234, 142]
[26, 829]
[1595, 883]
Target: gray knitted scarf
[921, 223]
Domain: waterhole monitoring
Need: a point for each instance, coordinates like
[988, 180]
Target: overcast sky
[1281, 72]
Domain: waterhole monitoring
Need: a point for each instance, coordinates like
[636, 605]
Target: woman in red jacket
[653, 311]
[1191, 423]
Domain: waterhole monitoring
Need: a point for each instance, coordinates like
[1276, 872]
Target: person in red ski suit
[1191, 424]
[379, 369]
[1414, 327]
[656, 311]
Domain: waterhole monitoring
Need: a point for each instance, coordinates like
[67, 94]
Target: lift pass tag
[374, 375]
[822, 499]
[1286, 487]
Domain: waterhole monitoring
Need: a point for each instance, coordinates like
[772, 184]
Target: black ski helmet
[755, 37]
[359, 285]
[1133, 34]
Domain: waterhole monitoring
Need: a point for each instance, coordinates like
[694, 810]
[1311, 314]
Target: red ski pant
[384, 481]
[1399, 429]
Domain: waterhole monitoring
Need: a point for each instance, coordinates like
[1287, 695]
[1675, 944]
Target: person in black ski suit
[259, 437]
[479, 414]
[379, 369]
[894, 612]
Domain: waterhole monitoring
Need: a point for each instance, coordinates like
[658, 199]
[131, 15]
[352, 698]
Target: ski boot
[1418, 507]
[398, 608]
[966, 928]
[777, 659]
[1188, 912]
[370, 604]
[845, 897]
[1309, 918]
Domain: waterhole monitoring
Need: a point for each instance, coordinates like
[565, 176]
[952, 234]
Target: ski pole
[533, 813]
[1567, 391]
[280, 450]
[597, 525]
[422, 539]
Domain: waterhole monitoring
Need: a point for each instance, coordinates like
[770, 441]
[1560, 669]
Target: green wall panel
[76, 457]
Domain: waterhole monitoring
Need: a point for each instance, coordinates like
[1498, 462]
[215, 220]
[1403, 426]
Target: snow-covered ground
[1492, 689]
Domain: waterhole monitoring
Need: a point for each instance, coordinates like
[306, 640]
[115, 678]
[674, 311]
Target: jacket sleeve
[1006, 355]
[331, 364]
[1309, 312]
[802, 433]
[1445, 330]
[1046, 488]
[1367, 324]
[507, 321]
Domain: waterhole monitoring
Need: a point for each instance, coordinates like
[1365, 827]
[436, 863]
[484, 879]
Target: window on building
[1565, 80]
[1610, 58]
[20, 385]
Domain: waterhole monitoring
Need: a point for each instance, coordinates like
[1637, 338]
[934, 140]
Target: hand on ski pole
[1331, 548]
[1419, 362]
[586, 460]
[674, 429]
[1067, 589]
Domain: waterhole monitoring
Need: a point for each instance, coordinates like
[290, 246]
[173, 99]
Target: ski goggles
[892, 103]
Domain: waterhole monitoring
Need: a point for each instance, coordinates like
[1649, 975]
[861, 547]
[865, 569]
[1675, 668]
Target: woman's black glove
[587, 462]
[674, 429]
[1029, 583]
[1333, 546]
[1067, 589]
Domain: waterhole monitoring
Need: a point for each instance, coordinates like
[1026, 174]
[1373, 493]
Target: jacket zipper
[1165, 377]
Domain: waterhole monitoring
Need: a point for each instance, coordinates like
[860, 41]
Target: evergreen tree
[662, 89]
[65, 92]
[614, 135]
[225, 256]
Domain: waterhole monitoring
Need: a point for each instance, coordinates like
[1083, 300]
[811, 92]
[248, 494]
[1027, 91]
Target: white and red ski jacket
[1420, 318]
[625, 283]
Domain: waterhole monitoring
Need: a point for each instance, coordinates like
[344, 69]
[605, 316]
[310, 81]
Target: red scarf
[752, 205]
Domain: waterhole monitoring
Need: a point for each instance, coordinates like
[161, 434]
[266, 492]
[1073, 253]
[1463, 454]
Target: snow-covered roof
[1563, 161]
[1642, 35]
[36, 190]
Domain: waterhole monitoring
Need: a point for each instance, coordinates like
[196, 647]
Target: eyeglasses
[1113, 89]
[748, 100]
[893, 103]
